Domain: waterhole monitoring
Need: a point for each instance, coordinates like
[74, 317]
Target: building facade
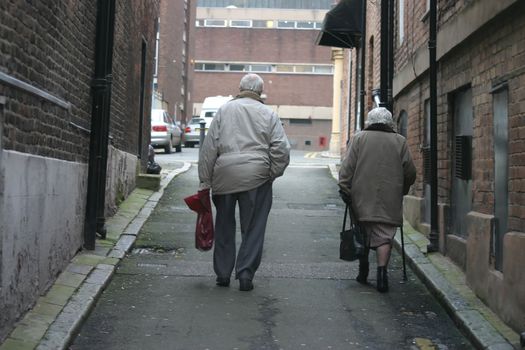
[276, 41]
[480, 138]
[47, 71]
[175, 49]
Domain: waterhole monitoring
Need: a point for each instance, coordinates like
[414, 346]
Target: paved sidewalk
[447, 283]
[57, 315]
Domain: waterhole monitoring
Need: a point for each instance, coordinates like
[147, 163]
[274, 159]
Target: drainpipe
[434, 234]
[391, 28]
[100, 112]
[362, 66]
[384, 55]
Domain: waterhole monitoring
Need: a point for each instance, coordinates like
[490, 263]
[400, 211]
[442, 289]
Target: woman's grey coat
[376, 172]
[245, 147]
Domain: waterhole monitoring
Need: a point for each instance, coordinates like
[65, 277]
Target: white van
[210, 106]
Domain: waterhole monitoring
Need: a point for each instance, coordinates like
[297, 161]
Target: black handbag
[352, 246]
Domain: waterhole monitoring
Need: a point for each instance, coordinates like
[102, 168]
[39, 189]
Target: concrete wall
[42, 212]
[121, 175]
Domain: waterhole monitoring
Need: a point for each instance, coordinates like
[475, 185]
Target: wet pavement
[163, 294]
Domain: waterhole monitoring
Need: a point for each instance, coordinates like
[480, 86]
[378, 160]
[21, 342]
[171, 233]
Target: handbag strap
[344, 220]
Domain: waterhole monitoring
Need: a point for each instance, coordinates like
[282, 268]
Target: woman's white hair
[252, 82]
[380, 115]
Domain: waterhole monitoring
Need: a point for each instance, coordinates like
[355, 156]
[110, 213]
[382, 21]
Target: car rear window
[195, 120]
[157, 116]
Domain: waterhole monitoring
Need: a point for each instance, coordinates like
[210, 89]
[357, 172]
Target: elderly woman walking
[375, 174]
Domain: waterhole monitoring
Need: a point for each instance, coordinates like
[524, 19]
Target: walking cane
[403, 254]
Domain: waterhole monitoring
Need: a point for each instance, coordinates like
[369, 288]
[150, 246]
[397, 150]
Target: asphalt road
[164, 295]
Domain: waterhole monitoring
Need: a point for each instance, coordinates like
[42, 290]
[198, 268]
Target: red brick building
[175, 50]
[279, 45]
[481, 133]
[48, 61]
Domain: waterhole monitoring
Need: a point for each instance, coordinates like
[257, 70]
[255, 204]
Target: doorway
[461, 189]
[501, 172]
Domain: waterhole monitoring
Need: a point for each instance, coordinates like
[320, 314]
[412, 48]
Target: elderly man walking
[375, 174]
[244, 151]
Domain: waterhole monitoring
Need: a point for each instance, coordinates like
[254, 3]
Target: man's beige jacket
[245, 147]
[376, 172]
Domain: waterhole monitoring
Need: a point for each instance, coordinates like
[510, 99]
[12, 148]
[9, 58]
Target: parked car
[165, 132]
[192, 132]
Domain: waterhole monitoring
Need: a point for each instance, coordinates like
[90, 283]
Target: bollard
[202, 134]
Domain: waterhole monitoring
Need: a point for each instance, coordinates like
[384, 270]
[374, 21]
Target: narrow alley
[163, 294]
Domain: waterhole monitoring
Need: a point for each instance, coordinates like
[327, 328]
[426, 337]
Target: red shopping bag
[201, 204]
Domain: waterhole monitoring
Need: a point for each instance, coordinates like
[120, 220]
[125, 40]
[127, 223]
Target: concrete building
[480, 133]
[175, 47]
[49, 107]
[276, 41]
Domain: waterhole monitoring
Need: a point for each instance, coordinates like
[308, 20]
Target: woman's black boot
[382, 279]
[363, 270]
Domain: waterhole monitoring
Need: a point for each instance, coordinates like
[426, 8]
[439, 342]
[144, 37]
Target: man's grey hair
[252, 82]
[380, 115]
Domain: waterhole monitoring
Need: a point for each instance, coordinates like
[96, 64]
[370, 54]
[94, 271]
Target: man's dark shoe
[245, 285]
[223, 281]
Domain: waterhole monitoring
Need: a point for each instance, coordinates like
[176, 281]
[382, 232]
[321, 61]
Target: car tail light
[159, 128]
[188, 129]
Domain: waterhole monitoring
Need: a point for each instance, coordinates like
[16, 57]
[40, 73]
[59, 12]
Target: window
[304, 69]
[284, 68]
[260, 68]
[210, 66]
[237, 68]
[323, 69]
[199, 23]
[318, 25]
[264, 67]
[285, 24]
[240, 23]
[262, 24]
[215, 23]
[305, 25]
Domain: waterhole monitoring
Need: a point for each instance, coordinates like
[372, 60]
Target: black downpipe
[349, 97]
[100, 112]
[434, 235]
[384, 55]
[362, 68]
[390, 100]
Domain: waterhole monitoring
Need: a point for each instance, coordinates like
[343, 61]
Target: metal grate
[426, 165]
[463, 163]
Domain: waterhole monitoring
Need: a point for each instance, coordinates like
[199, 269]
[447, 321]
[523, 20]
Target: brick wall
[263, 45]
[174, 71]
[281, 89]
[259, 45]
[51, 46]
[48, 45]
[125, 104]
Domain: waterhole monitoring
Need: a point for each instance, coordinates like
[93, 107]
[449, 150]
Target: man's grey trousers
[254, 207]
